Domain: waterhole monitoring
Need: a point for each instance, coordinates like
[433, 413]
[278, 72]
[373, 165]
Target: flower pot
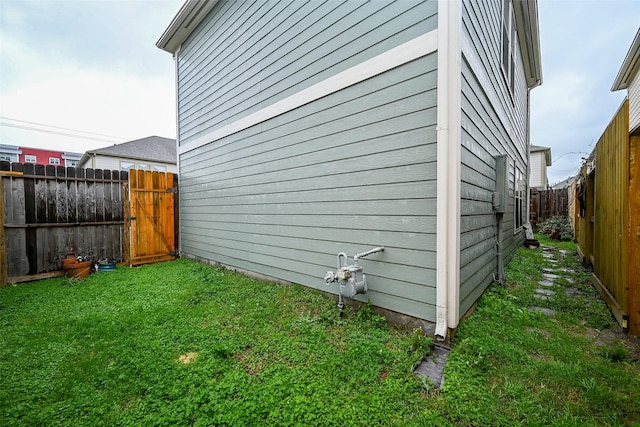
[77, 269]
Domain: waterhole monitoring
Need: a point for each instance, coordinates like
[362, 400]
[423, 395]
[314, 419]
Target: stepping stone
[539, 331]
[571, 292]
[563, 251]
[433, 366]
[546, 292]
[569, 279]
[545, 311]
[542, 297]
[546, 283]
[549, 270]
[552, 261]
[547, 255]
[550, 276]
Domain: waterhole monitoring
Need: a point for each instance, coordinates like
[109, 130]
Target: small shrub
[557, 227]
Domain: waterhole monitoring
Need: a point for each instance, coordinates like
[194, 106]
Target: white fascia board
[406, 52]
[186, 20]
[630, 66]
[526, 16]
[449, 100]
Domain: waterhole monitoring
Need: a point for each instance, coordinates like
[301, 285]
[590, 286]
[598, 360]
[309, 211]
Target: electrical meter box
[502, 184]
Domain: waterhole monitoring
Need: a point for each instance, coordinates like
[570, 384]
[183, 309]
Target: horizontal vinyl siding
[634, 103]
[250, 54]
[348, 172]
[493, 123]
[536, 164]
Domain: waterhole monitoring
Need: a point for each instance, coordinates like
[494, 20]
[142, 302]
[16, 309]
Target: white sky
[88, 66]
[93, 66]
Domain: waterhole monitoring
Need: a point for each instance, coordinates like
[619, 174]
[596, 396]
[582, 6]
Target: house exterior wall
[494, 122]
[538, 169]
[346, 172]
[115, 163]
[42, 156]
[634, 103]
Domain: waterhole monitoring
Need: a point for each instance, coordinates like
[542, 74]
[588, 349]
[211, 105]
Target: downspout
[175, 59]
[499, 257]
[448, 166]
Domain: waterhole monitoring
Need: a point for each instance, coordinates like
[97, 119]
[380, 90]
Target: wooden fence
[45, 211]
[608, 221]
[544, 204]
[48, 210]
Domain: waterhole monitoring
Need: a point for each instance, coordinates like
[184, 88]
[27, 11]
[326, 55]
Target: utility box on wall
[502, 184]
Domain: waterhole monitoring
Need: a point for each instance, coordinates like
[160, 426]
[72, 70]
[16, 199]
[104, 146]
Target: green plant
[558, 227]
[616, 353]
[183, 343]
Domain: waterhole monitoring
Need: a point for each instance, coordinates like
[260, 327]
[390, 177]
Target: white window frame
[54, 161]
[6, 157]
[30, 158]
[507, 51]
[519, 200]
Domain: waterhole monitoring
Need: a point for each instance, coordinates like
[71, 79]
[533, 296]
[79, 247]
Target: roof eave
[186, 20]
[526, 15]
[629, 67]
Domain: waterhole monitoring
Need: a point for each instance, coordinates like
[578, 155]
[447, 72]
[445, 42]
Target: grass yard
[181, 343]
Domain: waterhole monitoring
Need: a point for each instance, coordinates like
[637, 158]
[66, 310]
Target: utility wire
[52, 132]
[58, 127]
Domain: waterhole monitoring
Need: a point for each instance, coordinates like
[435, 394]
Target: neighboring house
[311, 128]
[629, 78]
[38, 156]
[539, 161]
[153, 153]
[10, 153]
[565, 183]
[608, 194]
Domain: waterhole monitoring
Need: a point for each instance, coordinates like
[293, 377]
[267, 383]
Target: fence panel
[49, 210]
[544, 204]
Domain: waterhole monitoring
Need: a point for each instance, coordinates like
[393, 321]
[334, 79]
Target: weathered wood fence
[47, 210]
[544, 204]
[608, 221]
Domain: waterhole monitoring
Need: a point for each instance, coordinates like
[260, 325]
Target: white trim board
[406, 52]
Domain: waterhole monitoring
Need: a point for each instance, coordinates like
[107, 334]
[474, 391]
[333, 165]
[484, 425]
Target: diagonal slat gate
[151, 223]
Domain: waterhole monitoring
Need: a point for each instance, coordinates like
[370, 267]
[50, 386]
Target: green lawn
[181, 343]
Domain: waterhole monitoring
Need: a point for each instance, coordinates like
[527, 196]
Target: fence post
[3, 238]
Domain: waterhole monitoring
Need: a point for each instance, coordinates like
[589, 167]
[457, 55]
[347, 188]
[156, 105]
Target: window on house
[159, 168]
[5, 157]
[520, 208]
[508, 44]
[71, 163]
[125, 166]
[29, 158]
[54, 161]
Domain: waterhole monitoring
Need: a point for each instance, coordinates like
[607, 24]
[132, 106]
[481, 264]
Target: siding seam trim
[400, 55]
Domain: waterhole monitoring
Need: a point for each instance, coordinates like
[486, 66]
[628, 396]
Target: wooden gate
[152, 220]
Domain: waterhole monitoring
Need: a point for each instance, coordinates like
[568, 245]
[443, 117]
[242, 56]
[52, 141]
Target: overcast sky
[90, 72]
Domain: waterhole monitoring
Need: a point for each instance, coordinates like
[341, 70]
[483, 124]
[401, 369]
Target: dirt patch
[609, 338]
[252, 366]
[188, 358]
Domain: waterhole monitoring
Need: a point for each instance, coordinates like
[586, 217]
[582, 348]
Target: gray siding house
[309, 128]
[154, 153]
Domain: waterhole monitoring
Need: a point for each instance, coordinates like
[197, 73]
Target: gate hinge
[173, 190]
[174, 253]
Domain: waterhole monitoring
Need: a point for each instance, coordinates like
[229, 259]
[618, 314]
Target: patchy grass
[181, 343]
[515, 366]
